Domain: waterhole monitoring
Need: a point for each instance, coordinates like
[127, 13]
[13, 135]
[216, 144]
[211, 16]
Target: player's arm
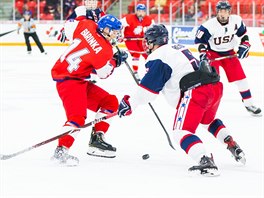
[243, 49]
[118, 58]
[151, 84]
[202, 37]
[124, 25]
[19, 25]
[33, 26]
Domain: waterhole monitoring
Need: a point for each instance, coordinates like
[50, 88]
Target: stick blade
[4, 157]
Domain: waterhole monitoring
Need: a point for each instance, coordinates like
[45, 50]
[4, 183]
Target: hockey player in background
[90, 50]
[91, 11]
[134, 26]
[29, 28]
[192, 89]
[217, 38]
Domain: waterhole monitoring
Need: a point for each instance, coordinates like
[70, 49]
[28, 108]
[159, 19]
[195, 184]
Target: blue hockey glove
[243, 50]
[120, 56]
[124, 108]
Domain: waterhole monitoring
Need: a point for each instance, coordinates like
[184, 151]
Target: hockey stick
[152, 108]
[138, 52]
[7, 32]
[5, 157]
[133, 39]
[141, 39]
[223, 57]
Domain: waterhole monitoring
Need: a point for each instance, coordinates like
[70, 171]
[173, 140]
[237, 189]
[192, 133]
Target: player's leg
[135, 51]
[216, 127]
[189, 114]
[37, 41]
[235, 73]
[73, 96]
[103, 103]
[26, 35]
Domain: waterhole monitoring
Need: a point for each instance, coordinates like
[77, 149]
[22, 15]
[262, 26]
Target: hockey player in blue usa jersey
[218, 37]
[192, 89]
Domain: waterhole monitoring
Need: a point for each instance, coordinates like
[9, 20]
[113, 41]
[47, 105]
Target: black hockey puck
[146, 156]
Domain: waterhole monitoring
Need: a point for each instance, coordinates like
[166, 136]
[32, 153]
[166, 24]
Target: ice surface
[31, 112]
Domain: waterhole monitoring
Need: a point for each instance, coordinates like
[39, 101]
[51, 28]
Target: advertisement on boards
[183, 34]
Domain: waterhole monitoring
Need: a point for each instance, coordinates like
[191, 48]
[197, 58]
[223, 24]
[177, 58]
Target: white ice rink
[31, 112]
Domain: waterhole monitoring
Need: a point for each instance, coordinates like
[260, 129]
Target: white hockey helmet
[90, 4]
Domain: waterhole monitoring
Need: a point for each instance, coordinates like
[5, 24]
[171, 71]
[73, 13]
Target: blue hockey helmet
[109, 21]
[223, 5]
[141, 7]
[27, 13]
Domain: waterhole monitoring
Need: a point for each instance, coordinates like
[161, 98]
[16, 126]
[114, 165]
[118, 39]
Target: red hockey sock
[66, 141]
[135, 68]
[101, 126]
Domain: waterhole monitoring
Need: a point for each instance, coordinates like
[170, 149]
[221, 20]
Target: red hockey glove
[243, 50]
[124, 108]
[62, 36]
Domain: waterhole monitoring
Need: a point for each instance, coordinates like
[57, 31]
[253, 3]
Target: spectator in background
[159, 4]
[68, 7]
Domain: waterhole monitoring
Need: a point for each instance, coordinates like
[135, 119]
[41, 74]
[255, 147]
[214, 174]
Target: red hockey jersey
[133, 27]
[88, 51]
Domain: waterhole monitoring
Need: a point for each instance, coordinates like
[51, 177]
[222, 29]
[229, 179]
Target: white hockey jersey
[218, 37]
[165, 68]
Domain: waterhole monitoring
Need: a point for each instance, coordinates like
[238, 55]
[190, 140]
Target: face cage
[219, 17]
[146, 46]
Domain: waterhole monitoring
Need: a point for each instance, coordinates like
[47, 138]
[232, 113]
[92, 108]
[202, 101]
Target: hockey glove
[120, 56]
[243, 50]
[124, 108]
[202, 49]
[62, 36]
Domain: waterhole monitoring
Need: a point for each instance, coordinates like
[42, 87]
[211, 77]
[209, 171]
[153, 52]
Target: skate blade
[100, 153]
[256, 115]
[68, 163]
[241, 158]
[205, 173]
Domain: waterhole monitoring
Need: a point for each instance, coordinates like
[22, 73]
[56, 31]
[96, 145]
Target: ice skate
[63, 158]
[98, 147]
[206, 167]
[253, 110]
[236, 151]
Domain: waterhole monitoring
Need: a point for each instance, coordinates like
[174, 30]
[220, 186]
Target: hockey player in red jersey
[134, 26]
[192, 89]
[217, 38]
[89, 9]
[90, 50]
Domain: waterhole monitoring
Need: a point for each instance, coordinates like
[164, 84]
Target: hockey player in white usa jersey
[190, 87]
[217, 38]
